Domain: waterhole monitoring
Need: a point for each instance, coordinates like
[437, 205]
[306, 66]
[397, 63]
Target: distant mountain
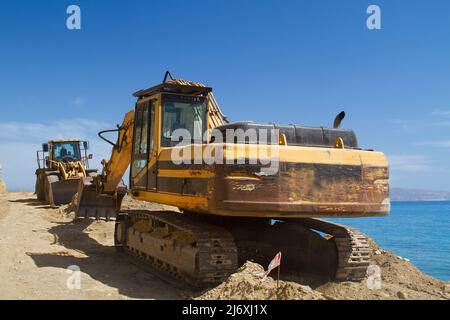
[400, 194]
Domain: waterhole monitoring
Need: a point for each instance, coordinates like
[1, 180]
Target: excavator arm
[101, 196]
[114, 169]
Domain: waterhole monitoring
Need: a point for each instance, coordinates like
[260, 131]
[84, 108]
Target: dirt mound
[399, 279]
[248, 284]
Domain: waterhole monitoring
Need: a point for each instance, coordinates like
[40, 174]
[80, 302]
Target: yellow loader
[61, 163]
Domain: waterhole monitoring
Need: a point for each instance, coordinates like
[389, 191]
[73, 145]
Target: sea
[416, 230]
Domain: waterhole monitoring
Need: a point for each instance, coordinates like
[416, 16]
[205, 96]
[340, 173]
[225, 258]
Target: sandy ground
[38, 244]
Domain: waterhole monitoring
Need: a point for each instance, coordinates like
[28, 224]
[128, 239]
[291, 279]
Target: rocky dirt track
[38, 244]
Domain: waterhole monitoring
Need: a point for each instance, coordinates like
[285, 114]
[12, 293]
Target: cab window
[67, 152]
[183, 112]
[143, 141]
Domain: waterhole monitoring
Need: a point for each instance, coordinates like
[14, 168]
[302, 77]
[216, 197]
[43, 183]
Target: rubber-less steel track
[352, 246]
[214, 248]
[211, 255]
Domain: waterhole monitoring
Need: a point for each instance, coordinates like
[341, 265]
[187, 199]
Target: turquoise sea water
[419, 231]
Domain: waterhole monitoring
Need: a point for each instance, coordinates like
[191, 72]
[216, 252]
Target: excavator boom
[101, 196]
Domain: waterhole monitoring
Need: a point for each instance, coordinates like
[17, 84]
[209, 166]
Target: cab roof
[64, 140]
[175, 86]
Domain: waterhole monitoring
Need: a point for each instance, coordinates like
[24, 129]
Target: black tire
[39, 188]
[48, 189]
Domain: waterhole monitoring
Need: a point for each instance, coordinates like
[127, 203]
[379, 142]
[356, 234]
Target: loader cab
[63, 151]
[161, 113]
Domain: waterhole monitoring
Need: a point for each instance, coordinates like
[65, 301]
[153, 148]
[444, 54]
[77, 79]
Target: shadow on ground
[32, 202]
[103, 264]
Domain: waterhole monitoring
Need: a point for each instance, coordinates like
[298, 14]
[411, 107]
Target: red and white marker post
[276, 262]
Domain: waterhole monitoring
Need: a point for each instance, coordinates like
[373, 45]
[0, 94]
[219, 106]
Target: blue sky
[281, 61]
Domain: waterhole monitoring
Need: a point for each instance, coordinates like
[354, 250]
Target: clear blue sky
[282, 61]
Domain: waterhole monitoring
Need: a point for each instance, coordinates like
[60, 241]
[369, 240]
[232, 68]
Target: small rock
[378, 252]
[381, 295]
[447, 287]
[347, 284]
[401, 295]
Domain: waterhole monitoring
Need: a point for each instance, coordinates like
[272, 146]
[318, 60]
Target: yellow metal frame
[288, 153]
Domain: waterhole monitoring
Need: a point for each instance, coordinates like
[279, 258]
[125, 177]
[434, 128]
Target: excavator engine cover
[295, 135]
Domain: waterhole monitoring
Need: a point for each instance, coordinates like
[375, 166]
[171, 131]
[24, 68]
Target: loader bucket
[90, 204]
[60, 192]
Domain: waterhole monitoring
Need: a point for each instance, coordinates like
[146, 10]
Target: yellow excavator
[244, 190]
[61, 163]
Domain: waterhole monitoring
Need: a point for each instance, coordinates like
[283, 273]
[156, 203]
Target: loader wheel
[48, 189]
[39, 189]
[120, 234]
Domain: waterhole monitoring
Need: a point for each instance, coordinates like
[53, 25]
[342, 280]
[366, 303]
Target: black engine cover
[295, 135]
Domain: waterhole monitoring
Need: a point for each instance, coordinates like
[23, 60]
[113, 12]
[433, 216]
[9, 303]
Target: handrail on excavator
[100, 134]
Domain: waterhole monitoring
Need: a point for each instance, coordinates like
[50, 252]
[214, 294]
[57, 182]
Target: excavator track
[177, 246]
[352, 248]
[199, 253]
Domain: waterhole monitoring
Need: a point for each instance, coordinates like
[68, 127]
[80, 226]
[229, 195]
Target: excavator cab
[160, 112]
[158, 119]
